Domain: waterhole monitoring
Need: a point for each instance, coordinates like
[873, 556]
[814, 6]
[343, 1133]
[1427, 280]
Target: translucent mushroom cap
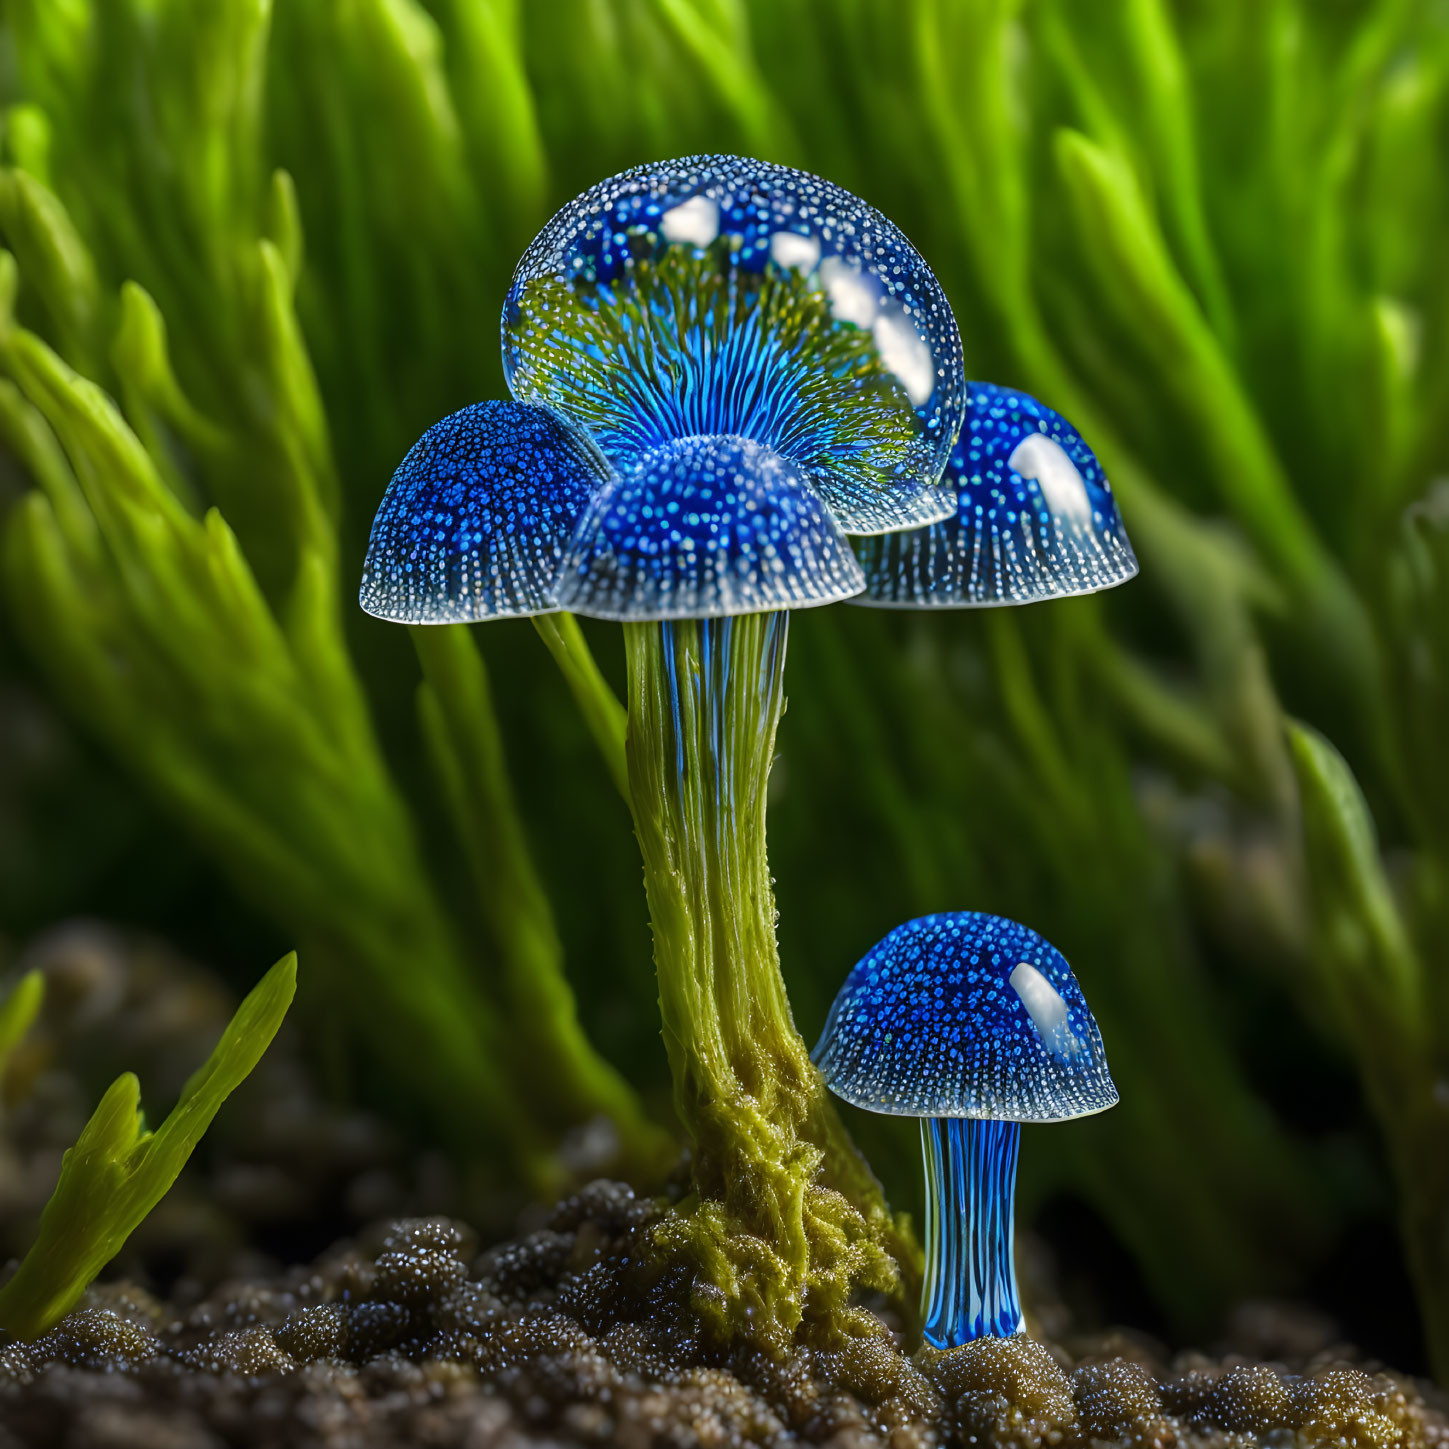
[707, 527]
[479, 517]
[720, 296]
[965, 1015]
[1034, 519]
[721, 367]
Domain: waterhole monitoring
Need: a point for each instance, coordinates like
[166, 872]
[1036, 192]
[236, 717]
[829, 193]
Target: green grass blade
[598, 704]
[18, 1012]
[117, 1172]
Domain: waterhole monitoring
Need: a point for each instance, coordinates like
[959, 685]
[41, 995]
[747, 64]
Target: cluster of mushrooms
[738, 389]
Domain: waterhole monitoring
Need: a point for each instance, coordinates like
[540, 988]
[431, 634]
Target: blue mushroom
[975, 1025]
[721, 367]
[705, 527]
[717, 297]
[1035, 518]
[479, 516]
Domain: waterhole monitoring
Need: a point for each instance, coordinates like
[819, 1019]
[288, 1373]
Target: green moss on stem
[785, 1219]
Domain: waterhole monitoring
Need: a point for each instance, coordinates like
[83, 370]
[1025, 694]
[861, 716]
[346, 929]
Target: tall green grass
[258, 248]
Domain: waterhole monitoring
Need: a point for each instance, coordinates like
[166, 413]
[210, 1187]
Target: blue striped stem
[970, 1284]
[710, 692]
[705, 698]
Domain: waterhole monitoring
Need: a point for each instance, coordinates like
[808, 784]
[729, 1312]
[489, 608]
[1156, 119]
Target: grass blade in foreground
[117, 1172]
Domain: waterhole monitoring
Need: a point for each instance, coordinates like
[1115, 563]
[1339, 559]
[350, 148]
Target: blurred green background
[257, 248]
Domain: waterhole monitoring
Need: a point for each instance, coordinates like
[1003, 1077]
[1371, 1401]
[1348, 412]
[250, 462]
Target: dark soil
[575, 1333]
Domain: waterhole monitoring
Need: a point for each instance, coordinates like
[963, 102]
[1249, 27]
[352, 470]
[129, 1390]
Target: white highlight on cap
[790, 249]
[852, 295]
[906, 353]
[1044, 459]
[695, 221]
[1046, 1008]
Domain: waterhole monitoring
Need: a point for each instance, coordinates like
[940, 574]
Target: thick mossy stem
[786, 1219]
[970, 1288]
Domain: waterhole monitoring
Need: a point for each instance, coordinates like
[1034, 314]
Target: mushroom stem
[970, 1284]
[706, 697]
[773, 1169]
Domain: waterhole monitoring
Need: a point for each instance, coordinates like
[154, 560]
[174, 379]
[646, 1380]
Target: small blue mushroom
[975, 1025]
[478, 517]
[1035, 518]
[707, 527]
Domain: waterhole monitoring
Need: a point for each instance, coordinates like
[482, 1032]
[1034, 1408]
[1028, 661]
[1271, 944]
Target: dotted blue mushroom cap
[1035, 518]
[478, 517]
[965, 1015]
[719, 296]
[707, 527]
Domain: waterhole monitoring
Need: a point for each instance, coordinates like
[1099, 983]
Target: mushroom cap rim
[945, 604]
[976, 1114]
[584, 613]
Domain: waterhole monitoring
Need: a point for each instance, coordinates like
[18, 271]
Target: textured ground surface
[574, 1333]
